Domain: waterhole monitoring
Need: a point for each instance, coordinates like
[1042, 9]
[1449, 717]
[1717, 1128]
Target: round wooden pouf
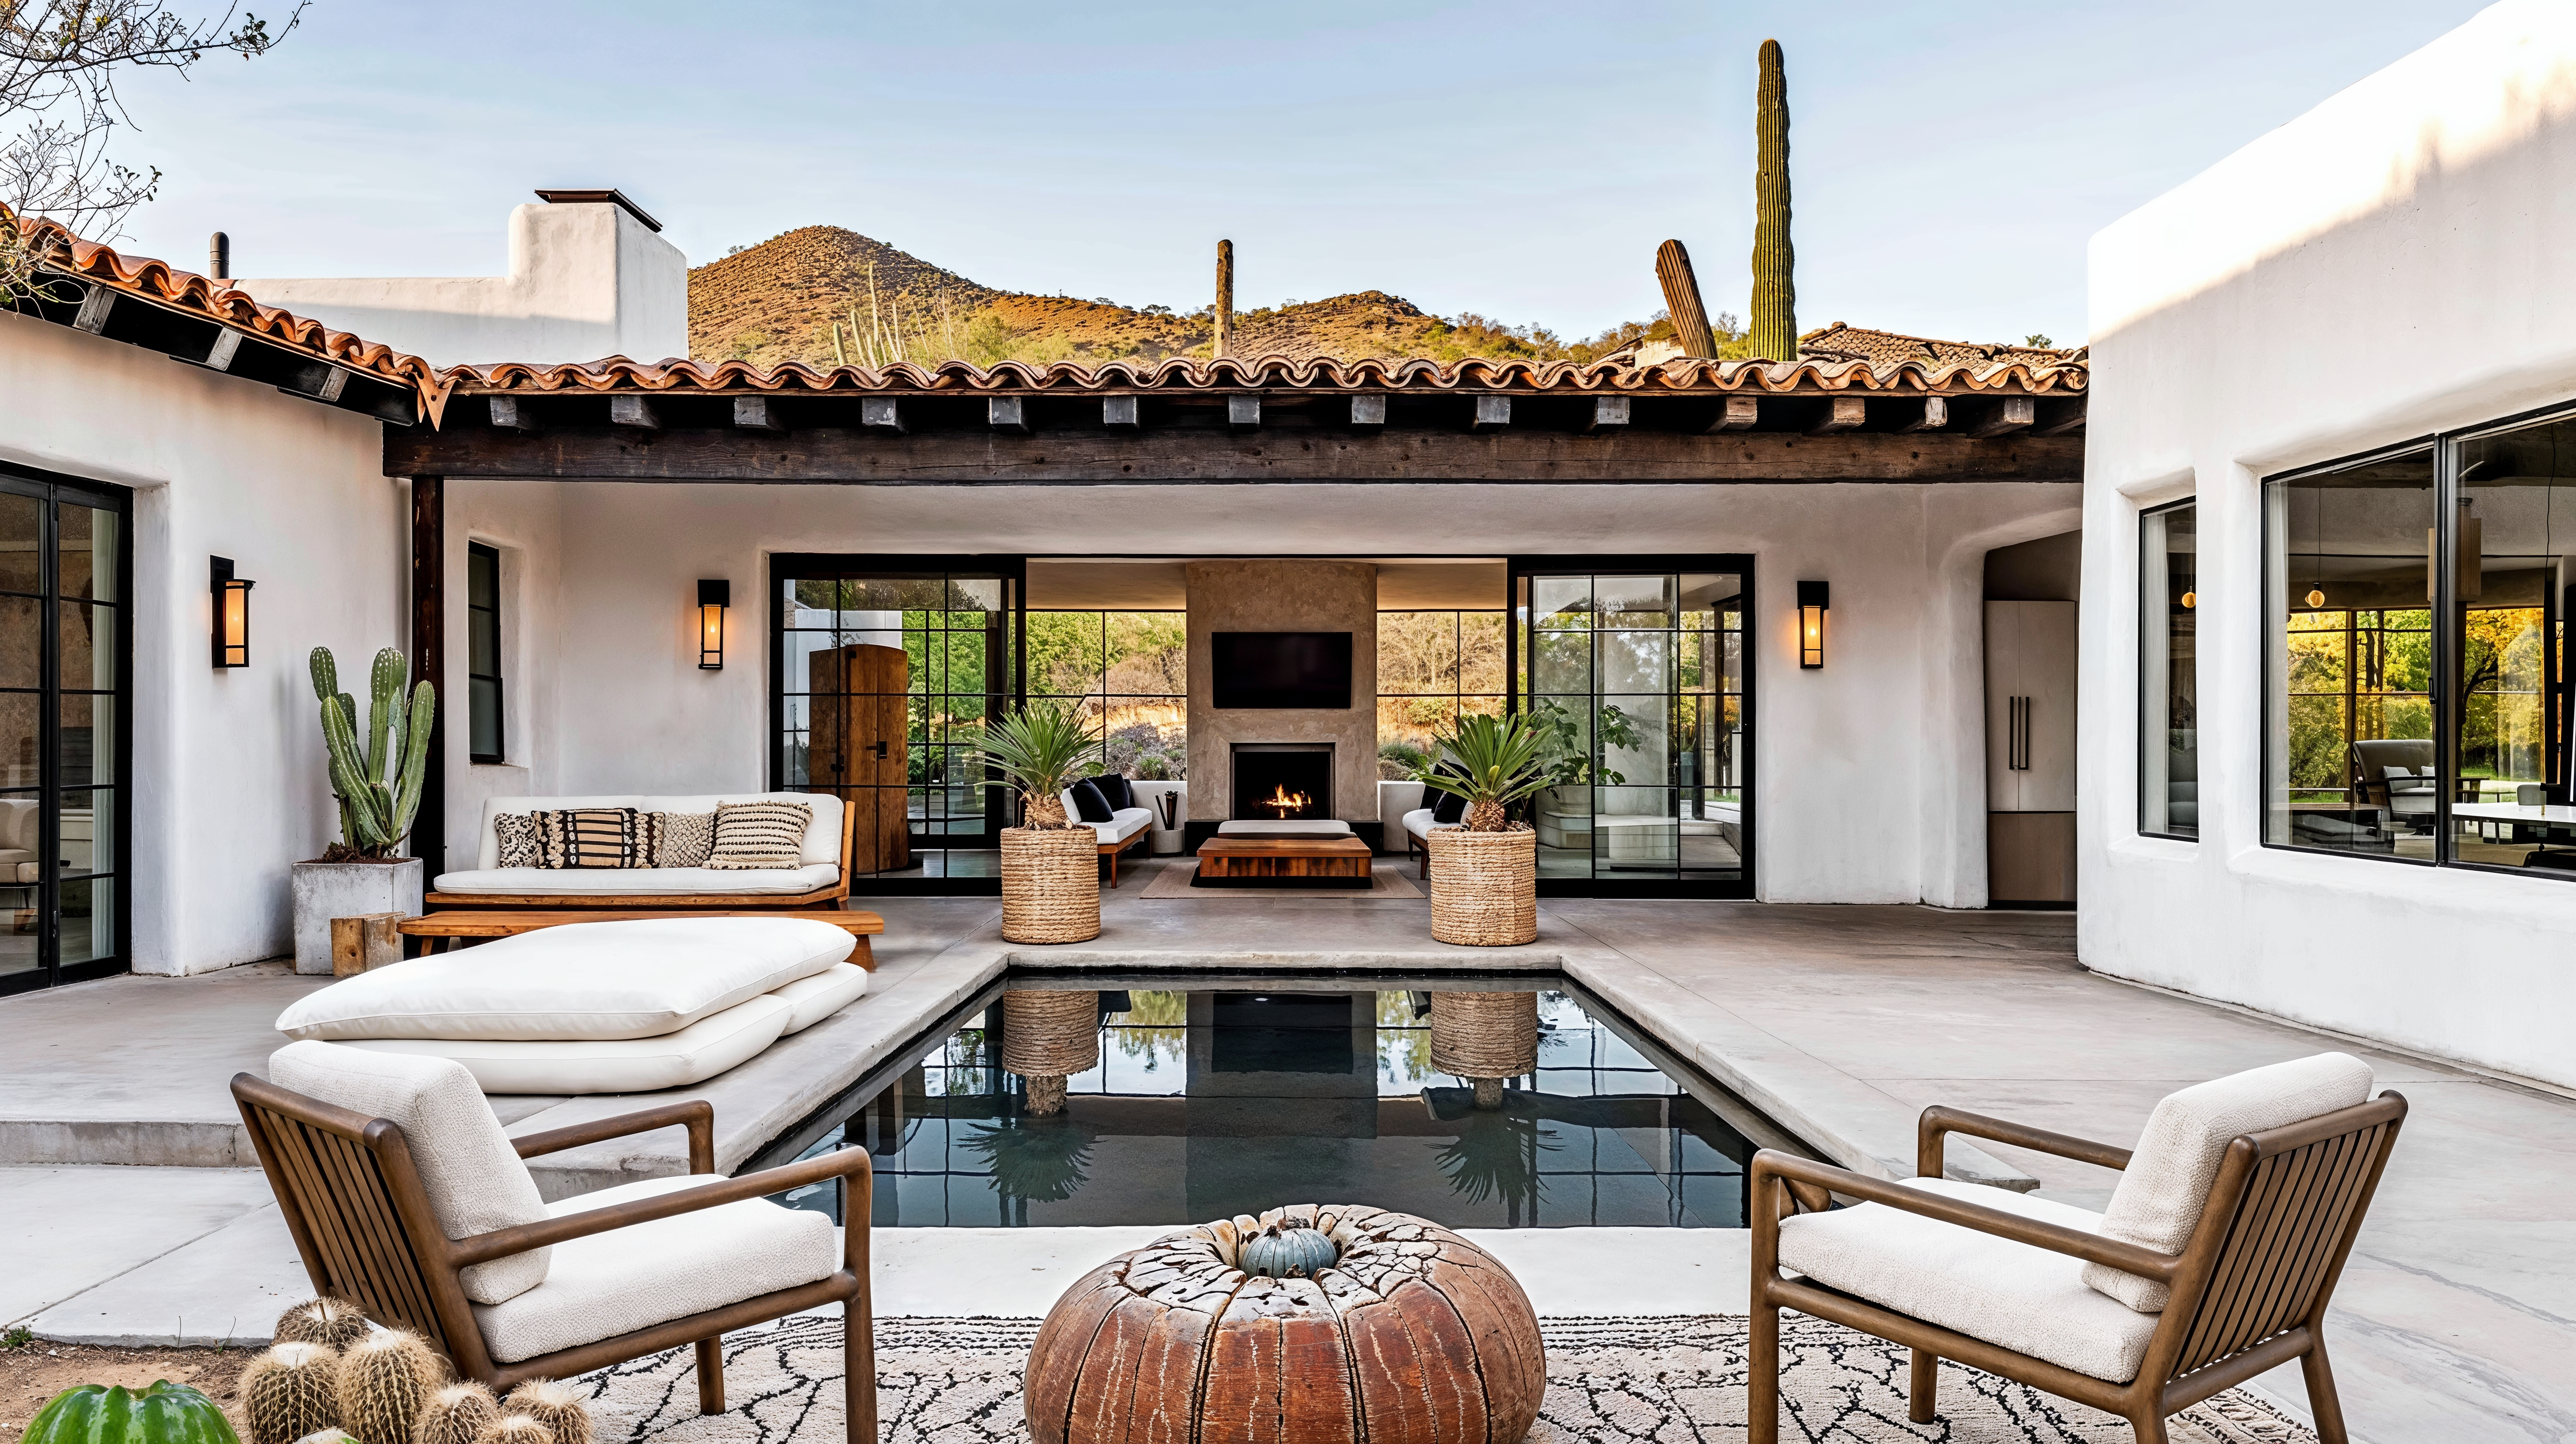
[1412, 1336]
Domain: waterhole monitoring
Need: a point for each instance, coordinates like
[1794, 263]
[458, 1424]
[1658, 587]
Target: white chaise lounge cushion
[1419, 823]
[473, 1177]
[650, 1273]
[694, 1054]
[582, 981]
[1123, 823]
[2161, 1192]
[822, 995]
[2013, 1294]
[640, 881]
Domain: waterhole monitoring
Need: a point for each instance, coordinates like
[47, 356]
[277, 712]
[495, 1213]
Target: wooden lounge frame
[448, 931]
[658, 902]
[353, 1199]
[1109, 851]
[2250, 1288]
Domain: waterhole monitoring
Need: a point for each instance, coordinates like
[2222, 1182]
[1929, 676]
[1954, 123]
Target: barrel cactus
[1286, 1253]
[291, 1391]
[457, 1414]
[385, 1381]
[515, 1429]
[378, 783]
[332, 1323]
[556, 1405]
[166, 1413]
[1775, 290]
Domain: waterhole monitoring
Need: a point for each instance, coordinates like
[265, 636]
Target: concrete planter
[327, 890]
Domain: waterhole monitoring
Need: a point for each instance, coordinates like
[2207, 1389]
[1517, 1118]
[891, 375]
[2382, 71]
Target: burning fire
[1284, 802]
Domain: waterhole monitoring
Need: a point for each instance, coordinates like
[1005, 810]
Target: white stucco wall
[1870, 783]
[585, 281]
[229, 784]
[2392, 263]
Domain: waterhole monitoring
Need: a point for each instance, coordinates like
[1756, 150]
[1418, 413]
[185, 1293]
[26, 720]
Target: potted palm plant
[1050, 863]
[1484, 875]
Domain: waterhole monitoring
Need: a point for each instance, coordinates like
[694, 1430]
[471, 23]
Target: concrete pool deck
[2456, 1318]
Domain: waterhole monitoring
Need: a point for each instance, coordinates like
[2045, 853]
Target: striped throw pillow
[759, 835]
[595, 837]
[522, 838]
[683, 839]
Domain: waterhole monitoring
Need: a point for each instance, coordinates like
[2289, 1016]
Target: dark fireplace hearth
[1283, 781]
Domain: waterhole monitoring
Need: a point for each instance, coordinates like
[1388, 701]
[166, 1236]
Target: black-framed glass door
[883, 671]
[1640, 670]
[66, 670]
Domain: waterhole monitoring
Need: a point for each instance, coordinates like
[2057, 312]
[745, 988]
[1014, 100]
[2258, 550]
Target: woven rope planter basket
[1484, 1035]
[1484, 886]
[1050, 884]
[1047, 1037]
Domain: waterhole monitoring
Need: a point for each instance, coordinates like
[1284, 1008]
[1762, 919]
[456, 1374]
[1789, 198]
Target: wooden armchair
[2245, 1292]
[365, 1207]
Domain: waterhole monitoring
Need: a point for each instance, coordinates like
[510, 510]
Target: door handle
[881, 752]
[2017, 745]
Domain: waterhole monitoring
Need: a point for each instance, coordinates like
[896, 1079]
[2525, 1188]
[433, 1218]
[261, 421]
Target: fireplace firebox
[1283, 781]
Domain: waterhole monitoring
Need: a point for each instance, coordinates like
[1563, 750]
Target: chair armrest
[697, 1114]
[2056, 1238]
[1938, 1121]
[503, 1242]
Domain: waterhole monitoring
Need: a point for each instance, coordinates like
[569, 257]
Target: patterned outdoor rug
[1386, 880]
[1610, 1381]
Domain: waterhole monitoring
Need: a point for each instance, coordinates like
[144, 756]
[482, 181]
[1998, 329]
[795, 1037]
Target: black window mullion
[49, 741]
[2448, 621]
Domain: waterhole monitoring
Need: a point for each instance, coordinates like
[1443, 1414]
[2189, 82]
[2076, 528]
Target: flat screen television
[1281, 670]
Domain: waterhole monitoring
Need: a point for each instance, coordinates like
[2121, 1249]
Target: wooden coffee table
[1272, 861]
[446, 932]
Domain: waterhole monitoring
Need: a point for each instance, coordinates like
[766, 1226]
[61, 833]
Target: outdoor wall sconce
[232, 613]
[713, 598]
[1813, 599]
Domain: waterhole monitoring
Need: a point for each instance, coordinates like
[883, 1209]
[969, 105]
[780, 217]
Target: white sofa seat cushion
[2161, 1192]
[639, 881]
[1419, 823]
[1123, 824]
[582, 981]
[2012, 1294]
[693, 1054]
[822, 832]
[820, 996]
[651, 1273]
[473, 1177]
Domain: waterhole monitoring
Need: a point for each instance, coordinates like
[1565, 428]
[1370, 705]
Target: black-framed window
[1642, 669]
[2417, 699]
[1432, 668]
[66, 670]
[2168, 671]
[483, 651]
[1127, 673]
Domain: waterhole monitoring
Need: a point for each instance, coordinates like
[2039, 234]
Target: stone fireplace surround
[1283, 595]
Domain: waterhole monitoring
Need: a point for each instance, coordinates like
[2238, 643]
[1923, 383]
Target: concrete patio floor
[2456, 1319]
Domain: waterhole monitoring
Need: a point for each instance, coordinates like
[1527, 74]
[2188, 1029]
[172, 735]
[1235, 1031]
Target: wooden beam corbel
[2013, 413]
[1243, 413]
[758, 413]
[634, 411]
[95, 305]
[509, 413]
[1121, 413]
[1842, 413]
[1738, 414]
[1493, 413]
[1936, 414]
[881, 414]
[219, 356]
[1008, 414]
[1368, 413]
[2059, 418]
[1608, 413]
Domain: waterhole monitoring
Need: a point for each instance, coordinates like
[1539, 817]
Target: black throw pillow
[1447, 807]
[1113, 790]
[1088, 802]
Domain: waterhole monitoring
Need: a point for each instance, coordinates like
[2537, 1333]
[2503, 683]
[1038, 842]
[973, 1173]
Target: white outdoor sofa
[1406, 800]
[1127, 827]
[821, 878]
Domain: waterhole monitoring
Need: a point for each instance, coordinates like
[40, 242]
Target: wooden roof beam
[1608, 413]
[1935, 415]
[2011, 414]
[1121, 413]
[758, 413]
[512, 413]
[1243, 413]
[1368, 412]
[1842, 413]
[1739, 413]
[1007, 414]
[882, 414]
[635, 411]
[1493, 413]
[2057, 418]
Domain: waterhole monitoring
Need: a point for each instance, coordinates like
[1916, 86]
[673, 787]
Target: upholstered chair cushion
[650, 1273]
[2017, 1295]
[472, 1175]
[2160, 1195]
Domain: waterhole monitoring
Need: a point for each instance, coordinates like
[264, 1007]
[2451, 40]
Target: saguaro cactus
[378, 787]
[1775, 293]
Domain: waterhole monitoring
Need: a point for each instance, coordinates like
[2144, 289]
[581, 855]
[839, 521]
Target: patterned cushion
[682, 839]
[759, 835]
[522, 837]
[595, 837]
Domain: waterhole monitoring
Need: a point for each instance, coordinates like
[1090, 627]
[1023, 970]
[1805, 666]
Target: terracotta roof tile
[218, 301]
[1839, 342]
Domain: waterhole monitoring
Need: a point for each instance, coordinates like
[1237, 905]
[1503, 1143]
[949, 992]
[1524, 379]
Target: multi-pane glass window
[1128, 675]
[63, 667]
[483, 651]
[2514, 559]
[1432, 668]
[885, 676]
[2169, 716]
[1639, 678]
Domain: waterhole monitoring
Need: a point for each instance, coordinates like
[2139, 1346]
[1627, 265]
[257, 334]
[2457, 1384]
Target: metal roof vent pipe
[219, 256]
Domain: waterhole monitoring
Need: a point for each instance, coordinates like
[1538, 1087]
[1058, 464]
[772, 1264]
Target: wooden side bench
[448, 931]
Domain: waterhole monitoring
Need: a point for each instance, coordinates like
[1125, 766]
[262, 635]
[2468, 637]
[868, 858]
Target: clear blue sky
[1518, 160]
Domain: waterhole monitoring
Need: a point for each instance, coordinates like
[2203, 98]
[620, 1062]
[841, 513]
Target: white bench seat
[639, 881]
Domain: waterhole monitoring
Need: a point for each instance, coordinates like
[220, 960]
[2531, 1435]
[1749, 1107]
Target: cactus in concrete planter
[333, 1323]
[456, 1414]
[385, 1381]
[1775, 293]
[291, 1391]
[378, 785]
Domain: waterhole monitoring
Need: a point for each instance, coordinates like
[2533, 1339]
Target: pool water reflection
[1204, 1104]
